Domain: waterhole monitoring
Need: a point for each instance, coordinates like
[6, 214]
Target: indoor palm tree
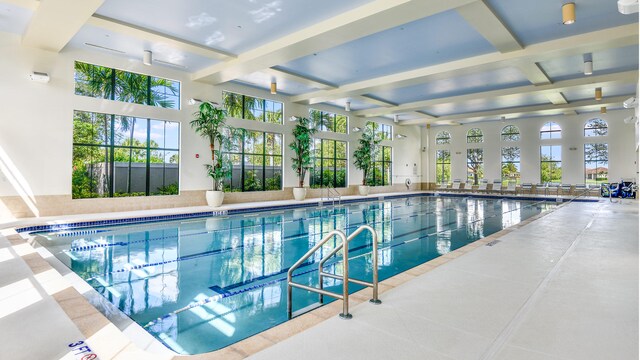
[364, 156]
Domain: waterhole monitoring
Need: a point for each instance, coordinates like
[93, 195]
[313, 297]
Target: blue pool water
[202, 284]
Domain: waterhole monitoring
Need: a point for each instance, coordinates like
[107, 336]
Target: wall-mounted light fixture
[40, 77]
[400, 136]
[356, 129]
[293, 118]
[569, 13]
[274, 88]
[147, 57]
[588, 67]
[193, 101]
[598, 94]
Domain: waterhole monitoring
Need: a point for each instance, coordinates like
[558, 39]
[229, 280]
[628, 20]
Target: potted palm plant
[364, 156]
[301, 146]
[209, 123]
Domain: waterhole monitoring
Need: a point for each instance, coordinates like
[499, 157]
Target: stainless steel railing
[344, 246]
[332, 194]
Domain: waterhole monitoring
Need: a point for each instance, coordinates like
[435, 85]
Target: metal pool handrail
[344, 246]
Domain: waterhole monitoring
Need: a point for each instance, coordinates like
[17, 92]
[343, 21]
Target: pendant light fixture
[396, 118]
[598, 93]
[347, 106]
[274, 88]
[603, 110]
[569, 13]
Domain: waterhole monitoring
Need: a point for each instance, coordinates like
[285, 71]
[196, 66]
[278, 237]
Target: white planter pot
[299, 193]
[214, 198]
[363, 190]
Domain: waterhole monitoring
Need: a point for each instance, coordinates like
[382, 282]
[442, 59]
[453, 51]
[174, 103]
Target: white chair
[468, 186]
[528, 187]
[580, 189]
[511, 188]
[497, 186]
[554, 187]
[541, 188]
[482, 187]
[456, 185]
[565, 189]
[442, 186]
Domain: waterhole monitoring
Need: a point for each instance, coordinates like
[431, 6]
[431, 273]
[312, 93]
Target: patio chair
[511, 188]
[496, 186]
[457, 185]
[482, 187]
[554, 187]
[541, 189]
[528, 187]
[565, 189]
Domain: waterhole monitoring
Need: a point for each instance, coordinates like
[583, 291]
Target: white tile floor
[563, 287]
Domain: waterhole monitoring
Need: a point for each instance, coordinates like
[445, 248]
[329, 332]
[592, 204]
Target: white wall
[622, 155]
[36, 121]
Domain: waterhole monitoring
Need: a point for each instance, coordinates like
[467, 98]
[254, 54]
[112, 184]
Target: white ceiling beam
[374, 17]
[153, 36]
[55, 22]
[479, 15]
[277, 72]
[578, 44]
[626, 77]
[545, 109]
[534, 73]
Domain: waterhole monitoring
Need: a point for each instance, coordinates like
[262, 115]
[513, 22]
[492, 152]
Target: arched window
[474, 136]
[510, 133]
[443, 137]
[550, 130]
[596, 127]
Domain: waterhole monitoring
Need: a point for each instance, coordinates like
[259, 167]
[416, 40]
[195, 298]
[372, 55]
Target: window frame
[335, 160]
[503, 163]
[334, 122]
[111, 90]
[110, 147]
[479, 135]
[241, 153]
[244, 110]
[504, 134]
[443, 165]
[550, 131]
[381, 131]
[597, 161]
[470, 171]
[551, 147]
[596, 129]
[443, 138]
[382, 164]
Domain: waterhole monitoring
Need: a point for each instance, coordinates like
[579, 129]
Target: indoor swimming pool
[201, 284]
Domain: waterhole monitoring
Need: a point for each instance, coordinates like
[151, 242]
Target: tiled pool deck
[562, 286]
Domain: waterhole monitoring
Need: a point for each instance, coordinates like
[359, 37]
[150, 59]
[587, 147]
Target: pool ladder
[344, 246]
[332, 194]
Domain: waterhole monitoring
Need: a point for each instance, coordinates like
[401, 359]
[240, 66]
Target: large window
[117, 156]
[475, 165]
[107, 83]
[257, 166]
[252, 108]
[510, 133]
[332, 122]
[510, 164]
[329, 163]
[474, 136]
[550, 130]
[443, 137]
[381, 174]
[596, 163]
[551, 163]
[382, 131]
[596, 127]
[443, 166]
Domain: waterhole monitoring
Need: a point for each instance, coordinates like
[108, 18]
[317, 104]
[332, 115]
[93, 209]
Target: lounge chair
[565, 189]
[580, 189]
[511, 188]
[541, 189]
[457, 185]
[528, 187]
[482, 187]
[442, 186]
[554, 187]
[497, 186]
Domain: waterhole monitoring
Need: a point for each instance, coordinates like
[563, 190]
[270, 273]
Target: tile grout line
[524, 310]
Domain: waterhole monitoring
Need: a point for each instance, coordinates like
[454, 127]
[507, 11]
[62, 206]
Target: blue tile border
[67, 229]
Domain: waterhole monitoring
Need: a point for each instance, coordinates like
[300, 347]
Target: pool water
[199, 285]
